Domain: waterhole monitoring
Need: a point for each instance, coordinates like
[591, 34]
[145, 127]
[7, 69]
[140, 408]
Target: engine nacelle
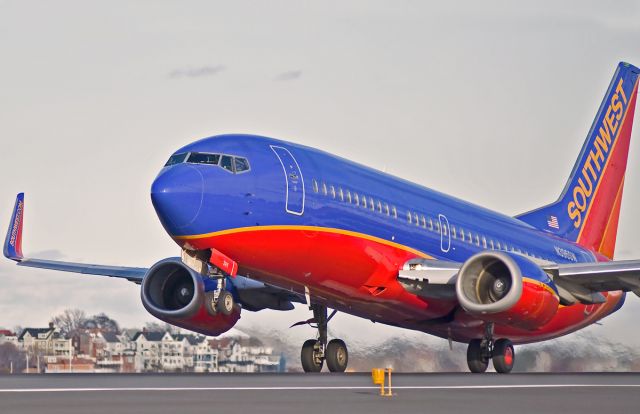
[174, 293]
[506, 289]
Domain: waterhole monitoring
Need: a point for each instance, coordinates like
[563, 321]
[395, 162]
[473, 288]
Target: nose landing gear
[480, 351]
[316, 351]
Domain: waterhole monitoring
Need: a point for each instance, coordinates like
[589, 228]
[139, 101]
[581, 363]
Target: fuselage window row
[345, 195]
[413, 218]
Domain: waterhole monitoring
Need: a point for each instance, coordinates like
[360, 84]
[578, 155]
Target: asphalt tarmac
[319, 393]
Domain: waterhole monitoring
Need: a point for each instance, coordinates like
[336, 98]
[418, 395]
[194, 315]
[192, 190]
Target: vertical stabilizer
[587, 212]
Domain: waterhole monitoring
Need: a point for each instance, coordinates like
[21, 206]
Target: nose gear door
[294, 199]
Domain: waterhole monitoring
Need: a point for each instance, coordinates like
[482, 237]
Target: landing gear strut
[219, 300]
[316, 351]
[480, 351]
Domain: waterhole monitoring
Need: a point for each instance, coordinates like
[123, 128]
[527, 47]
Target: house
[65, 365]
[45, 341]
[8, 336]
[205, 357]
[148, 348]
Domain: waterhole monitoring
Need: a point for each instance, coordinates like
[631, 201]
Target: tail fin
[13, 241]
[587, 211]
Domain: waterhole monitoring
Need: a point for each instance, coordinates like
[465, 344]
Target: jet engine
[506, 289]
[175, 293]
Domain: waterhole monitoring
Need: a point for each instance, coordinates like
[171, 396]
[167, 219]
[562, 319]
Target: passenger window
[242, 164]
[364, 201]
[498, 246]
[444, 231]
[226, 162]
[394, 212]
[491, 244]
[199, 158]
[356, 199]
[415, 218]
[477, 240]
[469, 237]
[430, 224]
[423, 221]
[386, 209]
[340, 193]
[453, 231]
[332, 190]
[324, 188]
[409, 217]
[315, 186]
[176, 159]
[379, 207]
[348, 196]
[371, 206]
[461, 234]
[437, 227]
[484, 242]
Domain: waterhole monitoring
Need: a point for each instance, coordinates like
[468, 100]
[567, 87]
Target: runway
[318, 393]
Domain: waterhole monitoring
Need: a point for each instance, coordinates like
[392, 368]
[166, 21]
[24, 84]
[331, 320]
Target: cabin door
[294, 195]
[445, 233]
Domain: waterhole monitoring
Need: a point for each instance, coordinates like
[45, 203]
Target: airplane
[263, 223]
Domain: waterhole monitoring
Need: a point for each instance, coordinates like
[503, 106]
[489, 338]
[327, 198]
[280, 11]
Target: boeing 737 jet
[263, 223]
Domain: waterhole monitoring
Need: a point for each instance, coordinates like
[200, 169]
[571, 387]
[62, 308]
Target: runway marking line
[405, 387]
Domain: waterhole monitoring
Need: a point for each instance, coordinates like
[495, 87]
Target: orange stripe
[615, 214]
[615, 142]
[308, 228]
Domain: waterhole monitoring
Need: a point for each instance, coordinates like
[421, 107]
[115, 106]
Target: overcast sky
[488, 101]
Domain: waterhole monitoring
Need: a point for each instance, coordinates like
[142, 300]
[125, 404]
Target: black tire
[209, 304]
[308, 358]
[225, 303]
[504, 356]
[336, 355]
[476, 358]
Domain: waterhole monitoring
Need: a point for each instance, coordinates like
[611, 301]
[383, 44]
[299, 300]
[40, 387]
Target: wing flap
[583, 280]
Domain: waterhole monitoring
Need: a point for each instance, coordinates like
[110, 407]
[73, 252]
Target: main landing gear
[219, 300]
[500, 352]
[316, 351]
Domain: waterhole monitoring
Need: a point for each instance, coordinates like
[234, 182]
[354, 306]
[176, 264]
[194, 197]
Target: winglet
[13, 242]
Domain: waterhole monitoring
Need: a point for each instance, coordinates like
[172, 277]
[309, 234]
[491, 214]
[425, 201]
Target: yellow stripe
[307, 228]
[615, 142]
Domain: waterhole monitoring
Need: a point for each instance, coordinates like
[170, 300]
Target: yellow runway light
[378, 377]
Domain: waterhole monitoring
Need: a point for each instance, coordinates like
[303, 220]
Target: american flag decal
[552, 222]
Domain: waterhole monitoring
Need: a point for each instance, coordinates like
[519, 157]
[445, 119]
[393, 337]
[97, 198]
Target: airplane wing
[583, 282]
[256, 295]
[576, 282]
[13, 251]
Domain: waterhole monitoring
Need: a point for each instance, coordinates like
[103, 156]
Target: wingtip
[13, 241]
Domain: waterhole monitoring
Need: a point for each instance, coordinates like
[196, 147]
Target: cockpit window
[176, 159]
[242, 164]
[226, 162]
[201, 158]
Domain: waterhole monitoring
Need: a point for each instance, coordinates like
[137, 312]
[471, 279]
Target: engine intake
[174, 293]
[172, 289]
[489, 282]
[492, 286]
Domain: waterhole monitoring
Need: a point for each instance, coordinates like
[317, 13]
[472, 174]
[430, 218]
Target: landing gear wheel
[311, 356]
[503, 356]
[210, 303]
[225, 302]
[477, 358]
[336, 355]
